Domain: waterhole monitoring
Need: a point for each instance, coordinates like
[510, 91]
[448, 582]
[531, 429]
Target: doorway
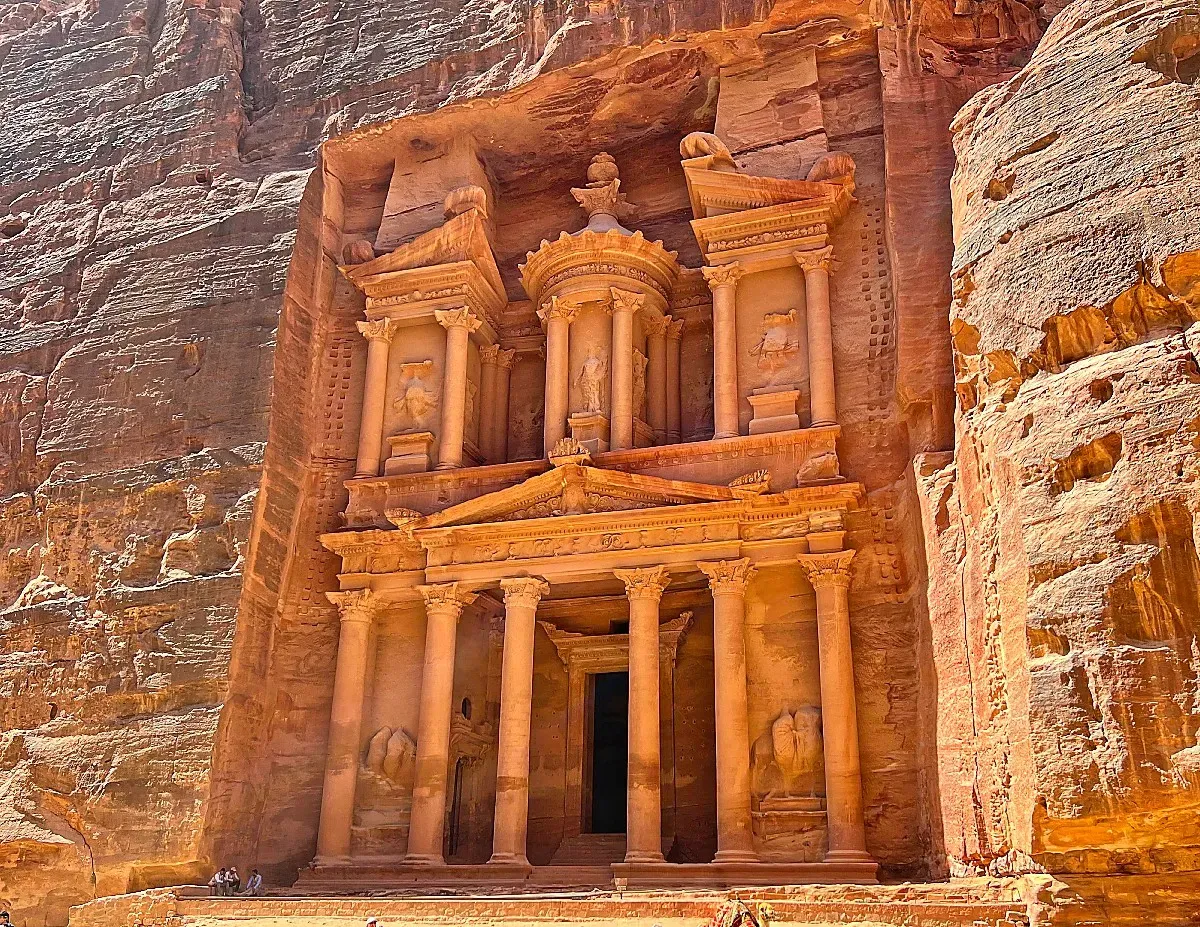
[608, 741]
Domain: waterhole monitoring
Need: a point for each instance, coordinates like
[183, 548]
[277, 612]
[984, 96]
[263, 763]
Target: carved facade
[662, 500]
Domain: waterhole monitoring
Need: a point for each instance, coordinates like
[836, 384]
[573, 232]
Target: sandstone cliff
[1061, 533]
[155, 182]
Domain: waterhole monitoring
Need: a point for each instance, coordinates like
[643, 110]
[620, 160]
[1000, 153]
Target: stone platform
[387, 874]
[974, 903]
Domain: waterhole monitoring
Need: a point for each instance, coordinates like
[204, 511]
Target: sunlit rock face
[1061, 531]
[178, 352]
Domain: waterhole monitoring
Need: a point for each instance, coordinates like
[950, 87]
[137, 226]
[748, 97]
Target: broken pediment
[577, 489]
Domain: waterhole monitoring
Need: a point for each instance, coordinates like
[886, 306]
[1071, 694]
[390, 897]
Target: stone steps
[590, 850]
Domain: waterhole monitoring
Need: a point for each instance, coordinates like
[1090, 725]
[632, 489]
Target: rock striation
[1060, 534]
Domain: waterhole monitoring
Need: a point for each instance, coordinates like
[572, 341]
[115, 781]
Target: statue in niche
[590, 382]
[416, 401]
[639, 383]
[787, 760]
[392, 755]
[775, 344]
[472, 410]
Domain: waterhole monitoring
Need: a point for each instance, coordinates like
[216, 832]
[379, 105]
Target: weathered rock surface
[1061, 533]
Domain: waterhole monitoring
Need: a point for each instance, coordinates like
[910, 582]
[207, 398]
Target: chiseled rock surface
[1061, 534]
[154, 158]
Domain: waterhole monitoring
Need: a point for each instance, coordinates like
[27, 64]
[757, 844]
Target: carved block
[591, 430]
[774, 410]
[408, 453]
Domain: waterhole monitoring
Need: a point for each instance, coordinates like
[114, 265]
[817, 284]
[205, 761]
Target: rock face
[1061, 532]
[167, 259]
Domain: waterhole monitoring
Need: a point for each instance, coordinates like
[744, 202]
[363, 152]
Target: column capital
[558, 309]
[458, 317]
[646, 583]
[626, 300]
[722, 275]
[675, 329]
[524, 590]
[656, 324]
[355, 606]
[831, 569]
[728, 577]
[446, 597]
[820, 259]
[496, 355]
[377, 329]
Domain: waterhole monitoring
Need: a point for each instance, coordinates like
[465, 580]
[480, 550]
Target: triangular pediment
[577, 489]
[715, 193]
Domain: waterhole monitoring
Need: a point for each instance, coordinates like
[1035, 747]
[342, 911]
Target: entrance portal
[609, 741]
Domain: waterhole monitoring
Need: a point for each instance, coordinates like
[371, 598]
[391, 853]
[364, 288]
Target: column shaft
[345, 724]
[823, 401]
[500, 422]
[656, 377]
[624, 305]
[516, 700]
[674, 396]
[370, 432]
[727, 580]
[830, 577]
[443, 606]
[723, 279]
[488, 400]
[459, 323]
[643, 813]
[557, 316]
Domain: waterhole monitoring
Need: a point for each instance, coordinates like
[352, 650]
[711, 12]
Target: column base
[424, 859]
[328, 860]
[726, 434]
[449, 466]
[735, 856]
[643, 857]
[849, 856]
[510, 860]
[824, 423]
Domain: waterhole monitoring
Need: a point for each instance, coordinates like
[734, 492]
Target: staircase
[590, 850]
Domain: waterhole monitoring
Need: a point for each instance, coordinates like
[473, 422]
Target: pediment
[576, 489]
[461, 239]
[715, 193]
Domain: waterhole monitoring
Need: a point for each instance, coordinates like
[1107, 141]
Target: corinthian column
[558, 317]
[674, 398]
[357, 610]
[443, 607]
[728, 579]
[379, 334]
[656, 375]
[624, 306]
[521, 597]
[495, 365]
[459, 323]
[644, 589]
[722, 280]
[830, 578]
[823, 402]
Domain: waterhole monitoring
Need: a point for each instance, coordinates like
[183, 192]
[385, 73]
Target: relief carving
[640, 361]
[593, 374]
[787, 762]
[775, 344]
[416, 401]
[392, 756]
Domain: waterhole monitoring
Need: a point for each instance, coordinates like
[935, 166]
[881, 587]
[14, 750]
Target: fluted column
[558, 317]
[495, 367]
[378, 333]
[459, 323]
[674, 396]
[722, 280]
[357, 611]
[521, 597]
[823, 401]
[625, 304]
[656, 375]
[830, 578]
[728, 579]
[643, 813]
[443, 607]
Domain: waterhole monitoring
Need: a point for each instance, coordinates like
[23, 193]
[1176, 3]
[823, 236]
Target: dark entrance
[609, 737]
